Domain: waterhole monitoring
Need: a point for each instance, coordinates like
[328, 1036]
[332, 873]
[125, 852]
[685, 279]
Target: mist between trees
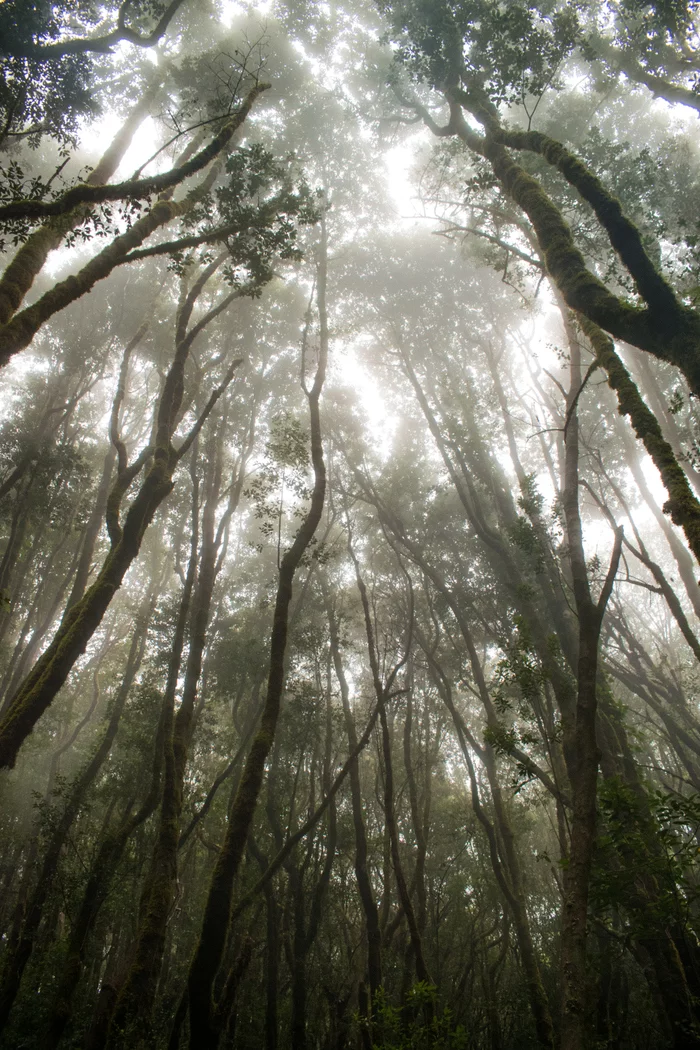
[350, 525]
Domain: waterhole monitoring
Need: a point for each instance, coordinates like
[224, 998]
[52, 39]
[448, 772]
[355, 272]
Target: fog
[349, 525]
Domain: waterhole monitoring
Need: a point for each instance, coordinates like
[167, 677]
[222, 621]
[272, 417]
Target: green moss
[19, 332]
[665, 328]
[682, 506]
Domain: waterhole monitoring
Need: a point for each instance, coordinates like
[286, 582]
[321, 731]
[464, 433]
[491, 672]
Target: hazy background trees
[349, 512]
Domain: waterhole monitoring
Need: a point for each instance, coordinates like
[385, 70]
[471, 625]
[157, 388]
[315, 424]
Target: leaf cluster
[417, 1025]
[46, 96]
[650, 835]
[510, 50]
[261, 207]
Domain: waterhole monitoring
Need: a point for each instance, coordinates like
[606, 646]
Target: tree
[48, 74]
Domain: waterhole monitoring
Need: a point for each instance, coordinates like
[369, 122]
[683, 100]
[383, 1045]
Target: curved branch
[86, 193]
[99, 44]
[622, 232]
[626, 63]
[19, 332]
[666, 328]
[312, 821]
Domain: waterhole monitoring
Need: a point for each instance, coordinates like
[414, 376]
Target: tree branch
[86, 193]
[99, 44]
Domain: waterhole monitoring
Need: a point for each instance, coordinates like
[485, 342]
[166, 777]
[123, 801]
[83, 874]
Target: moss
[622, 232]
[666, 329]
[19, 275]
[19, 332]
[682, 506]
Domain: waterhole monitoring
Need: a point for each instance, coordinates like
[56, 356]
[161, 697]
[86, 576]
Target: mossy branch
[671, 335]
[665, 328]
[19, 332]
[622, 232]
[20, 273]
[682, 506]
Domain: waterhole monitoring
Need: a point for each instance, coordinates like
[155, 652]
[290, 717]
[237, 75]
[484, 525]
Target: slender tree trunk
[419, 828]
[204, 1034]
[650, 887]
[306, 928]
[82, 620]
[130, 1022]
[364, 884]
[272, 954]
[580, 742]
[20, 951]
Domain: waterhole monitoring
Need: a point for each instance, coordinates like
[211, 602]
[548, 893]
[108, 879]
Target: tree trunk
[204, 1034]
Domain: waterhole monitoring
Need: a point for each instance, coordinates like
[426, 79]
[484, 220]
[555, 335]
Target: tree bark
[580, 741]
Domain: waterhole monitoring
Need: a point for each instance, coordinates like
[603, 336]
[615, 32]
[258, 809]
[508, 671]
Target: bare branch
[215, 395]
